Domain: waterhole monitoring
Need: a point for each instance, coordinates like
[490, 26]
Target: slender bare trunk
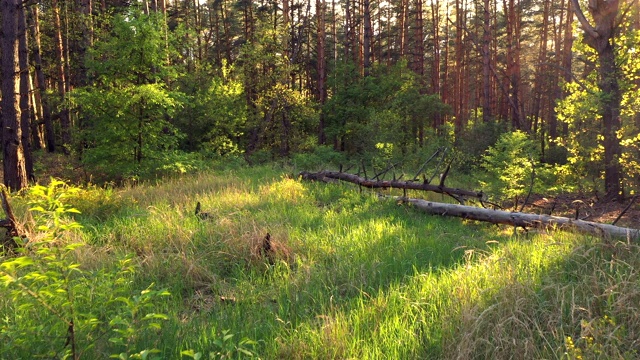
[40, 82]
[25, 108]
[366, 43]
[15, 175]
[322, 69]
[65, 123]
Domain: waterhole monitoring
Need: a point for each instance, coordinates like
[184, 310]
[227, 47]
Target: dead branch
[458, 194]
[523, 220]
[625, 210]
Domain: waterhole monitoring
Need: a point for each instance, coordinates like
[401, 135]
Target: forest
[120, 117]
[133, 89]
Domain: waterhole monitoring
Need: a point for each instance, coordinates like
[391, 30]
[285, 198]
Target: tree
[322, 68]
[15, 175]
[600, 37]
[127, 131]
[59, 48]
[34, 24]
[25, 108]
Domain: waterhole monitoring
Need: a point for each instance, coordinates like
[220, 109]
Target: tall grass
[352, 276]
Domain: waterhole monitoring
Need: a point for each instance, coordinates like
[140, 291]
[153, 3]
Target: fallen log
[520, 219]
[395, 184]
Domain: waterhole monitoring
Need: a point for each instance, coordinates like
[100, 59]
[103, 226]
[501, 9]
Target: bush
[511, 165]
[321, 157]
[474, 140]
[53, 308]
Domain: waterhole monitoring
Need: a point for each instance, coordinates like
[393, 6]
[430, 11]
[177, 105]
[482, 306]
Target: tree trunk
[459, 90]
[403, 26]
[458, 194]
[322, 68]
[15, 175]
[566, 54]
[85, 28]
[486, 62]
[435, 65]
[65, 123]
[50, 136]
[366, 43]
[541, 76]
[600, 37]
[418, 41]
[25, 108]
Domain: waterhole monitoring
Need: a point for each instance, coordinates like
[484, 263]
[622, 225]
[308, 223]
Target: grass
[353, 277]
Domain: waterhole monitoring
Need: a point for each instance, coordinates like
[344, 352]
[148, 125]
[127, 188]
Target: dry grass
[585, 307]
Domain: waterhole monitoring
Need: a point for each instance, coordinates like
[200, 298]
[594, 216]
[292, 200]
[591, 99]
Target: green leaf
[192, 354]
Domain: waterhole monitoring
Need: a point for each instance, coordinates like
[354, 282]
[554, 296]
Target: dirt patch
[587, 208]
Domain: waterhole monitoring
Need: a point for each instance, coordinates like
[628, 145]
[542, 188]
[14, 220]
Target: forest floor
[589, 209]
[344, 275]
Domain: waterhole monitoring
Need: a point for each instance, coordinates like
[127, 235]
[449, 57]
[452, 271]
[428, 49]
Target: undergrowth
[347, 276]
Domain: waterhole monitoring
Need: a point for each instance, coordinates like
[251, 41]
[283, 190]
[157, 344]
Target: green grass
[354, 277]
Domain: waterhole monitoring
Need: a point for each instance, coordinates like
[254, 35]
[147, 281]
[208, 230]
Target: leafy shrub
[474, 140]
[512, 166]
[321, 157]
[53, 308]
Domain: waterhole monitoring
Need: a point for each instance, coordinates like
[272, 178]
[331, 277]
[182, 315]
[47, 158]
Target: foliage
[385, 107]
[224, 347]
[214, 117]
[126, 131]
[54, 308]
[320, 158]
[476, 139]
[280, 118]
[512, 167]
[580, 111]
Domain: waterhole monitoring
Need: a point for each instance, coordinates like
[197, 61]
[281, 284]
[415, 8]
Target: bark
[435, 66]
[15, 175]
[459, 90]
[541, 76]
[601, 38]
[512, 80]
[12, 226]
[37, 133]
[65, 123]
[367, 37]
[322, 69]
[85, 27]
[403, 26]
[395, 184]
[25, 108]
[40, 82]
[523, 219]
[486, 62]
[418, 50]
[348, 31]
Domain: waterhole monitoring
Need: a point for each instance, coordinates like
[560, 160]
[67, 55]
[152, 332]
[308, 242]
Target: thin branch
[583, 20]
[633, 200]
[415, 178]
[624, 14]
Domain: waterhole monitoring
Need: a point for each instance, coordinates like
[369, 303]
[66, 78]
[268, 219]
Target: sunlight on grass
[348, 276]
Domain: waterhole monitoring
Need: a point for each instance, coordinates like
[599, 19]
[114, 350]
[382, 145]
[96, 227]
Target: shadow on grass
[348, 251]
[361, 279]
